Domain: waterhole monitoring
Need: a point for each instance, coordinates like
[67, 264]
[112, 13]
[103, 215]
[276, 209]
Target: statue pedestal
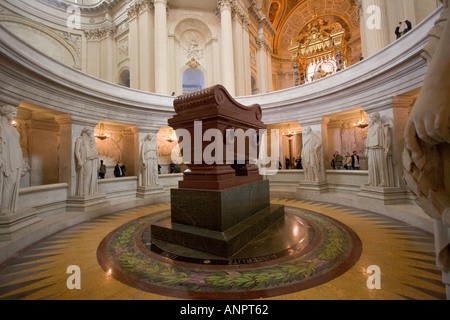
[150, 193]
[87, 203]
[16, 224]
[385, 195]
[219, 222]
[309, 189]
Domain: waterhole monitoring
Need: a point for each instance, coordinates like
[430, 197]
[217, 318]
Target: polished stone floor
[404, 255]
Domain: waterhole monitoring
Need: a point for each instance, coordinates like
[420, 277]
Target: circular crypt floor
[321, 251]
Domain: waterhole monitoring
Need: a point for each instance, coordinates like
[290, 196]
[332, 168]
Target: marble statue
[427, 141]
[378, 152]
[86, 157]
[11, 161]
[312, 145]
[149, 160]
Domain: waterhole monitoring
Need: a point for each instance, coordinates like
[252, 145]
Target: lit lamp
[101, 133]
[361, 122]
[289, 134]
[171, 137]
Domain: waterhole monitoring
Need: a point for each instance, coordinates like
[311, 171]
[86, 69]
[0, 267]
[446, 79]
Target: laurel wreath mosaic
[336, 251]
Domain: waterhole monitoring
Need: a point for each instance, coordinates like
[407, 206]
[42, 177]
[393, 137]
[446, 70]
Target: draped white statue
[378, 152]
[11, 161]
[312, 145]
[149, 161]
[86, 157]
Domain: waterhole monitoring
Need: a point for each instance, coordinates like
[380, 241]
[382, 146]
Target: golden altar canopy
[318, 52]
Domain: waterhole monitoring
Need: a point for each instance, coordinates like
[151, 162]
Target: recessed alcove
[40, 138]
[121, 145]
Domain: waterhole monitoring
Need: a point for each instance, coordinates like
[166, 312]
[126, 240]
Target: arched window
[273, 11]
[124, 78]
[193, 80]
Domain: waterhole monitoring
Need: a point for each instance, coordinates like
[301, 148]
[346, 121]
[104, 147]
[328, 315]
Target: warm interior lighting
[361, 122]
[289, 134]
[101, 134]
[171, 137]
[14, 123]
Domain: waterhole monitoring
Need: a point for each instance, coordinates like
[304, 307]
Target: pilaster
[374, 26]
[160, 45]
[227, 51]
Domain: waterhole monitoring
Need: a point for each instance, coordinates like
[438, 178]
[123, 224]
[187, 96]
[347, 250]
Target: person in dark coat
[119, 170]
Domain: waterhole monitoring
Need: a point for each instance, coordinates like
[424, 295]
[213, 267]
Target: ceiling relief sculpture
[193, 36]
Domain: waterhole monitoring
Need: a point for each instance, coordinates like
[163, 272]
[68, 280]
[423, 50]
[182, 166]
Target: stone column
[133, 47]
[146, 59]
[261, 62]
[238, 46]
[108, 54]
[247, 66]
[65, 158]
[160, 45]
[269, 81]
[402, 106]
[227, 52]
[374, 26]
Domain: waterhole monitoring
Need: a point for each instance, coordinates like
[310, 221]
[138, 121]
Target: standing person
[11, 161]
[337, 159]
[298, 162]
[347, 162]
[408, 27]
[355, 161]
[288, 163]
[398, 32]
[311, 155]
[119, 170]
[102, 170]
[87, 163]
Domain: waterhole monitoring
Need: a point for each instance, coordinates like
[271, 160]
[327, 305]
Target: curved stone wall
[29, 77]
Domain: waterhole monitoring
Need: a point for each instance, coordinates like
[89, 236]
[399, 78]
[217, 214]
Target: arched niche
[42, 142]
[194, 45]
[193, 79]
[117, 142]
[124, 78]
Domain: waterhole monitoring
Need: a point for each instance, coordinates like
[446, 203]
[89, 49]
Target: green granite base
[220, 243]
[218, 210]
[220, 222]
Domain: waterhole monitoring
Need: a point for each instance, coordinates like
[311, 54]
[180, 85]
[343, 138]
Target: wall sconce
[361, 122]
[289, 134]
[171, 137]
[101, 133]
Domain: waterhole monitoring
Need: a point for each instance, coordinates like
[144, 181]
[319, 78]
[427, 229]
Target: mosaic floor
[403, 254]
